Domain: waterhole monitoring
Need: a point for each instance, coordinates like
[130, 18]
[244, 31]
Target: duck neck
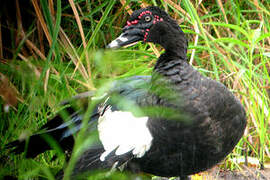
[173, 67]
[171, 38]
[169, 65]
[175, 44]
[176, 48]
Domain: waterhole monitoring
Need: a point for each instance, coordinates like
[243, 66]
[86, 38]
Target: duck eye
[147, 18]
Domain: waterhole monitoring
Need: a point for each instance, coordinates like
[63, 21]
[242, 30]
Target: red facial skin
[134, 22]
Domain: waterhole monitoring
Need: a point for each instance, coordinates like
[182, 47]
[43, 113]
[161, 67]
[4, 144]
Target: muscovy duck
[183, 122]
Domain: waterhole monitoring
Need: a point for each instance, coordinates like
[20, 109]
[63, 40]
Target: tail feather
[33, 146]
[62, 133]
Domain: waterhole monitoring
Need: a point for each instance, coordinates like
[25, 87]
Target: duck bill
[124, 40]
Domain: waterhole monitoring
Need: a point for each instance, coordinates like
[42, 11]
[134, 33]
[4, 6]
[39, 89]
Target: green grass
[228, 41]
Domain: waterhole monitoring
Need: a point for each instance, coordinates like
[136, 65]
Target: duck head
[152, 24]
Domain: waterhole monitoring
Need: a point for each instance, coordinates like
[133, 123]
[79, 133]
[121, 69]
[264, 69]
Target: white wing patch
[122, 130]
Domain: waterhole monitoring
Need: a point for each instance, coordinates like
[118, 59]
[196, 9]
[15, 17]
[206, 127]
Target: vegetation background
[51, 50]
